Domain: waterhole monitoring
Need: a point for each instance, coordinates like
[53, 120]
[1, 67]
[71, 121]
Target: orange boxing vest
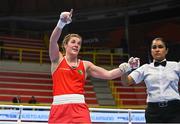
[68, 80]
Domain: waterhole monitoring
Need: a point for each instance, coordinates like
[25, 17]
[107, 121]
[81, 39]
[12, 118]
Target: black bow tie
[160, 63]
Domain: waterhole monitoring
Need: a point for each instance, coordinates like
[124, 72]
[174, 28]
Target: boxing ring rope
[19, 114]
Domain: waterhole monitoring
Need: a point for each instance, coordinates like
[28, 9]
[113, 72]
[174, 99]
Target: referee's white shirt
[161, 82]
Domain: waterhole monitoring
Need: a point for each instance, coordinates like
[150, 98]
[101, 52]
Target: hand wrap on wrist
[65, 18]
[125, 67]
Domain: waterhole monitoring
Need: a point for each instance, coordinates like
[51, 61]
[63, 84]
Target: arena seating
[26, 84]
[31, 49]
[129, 95]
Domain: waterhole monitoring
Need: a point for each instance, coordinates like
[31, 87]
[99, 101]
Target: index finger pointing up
[71, 13]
